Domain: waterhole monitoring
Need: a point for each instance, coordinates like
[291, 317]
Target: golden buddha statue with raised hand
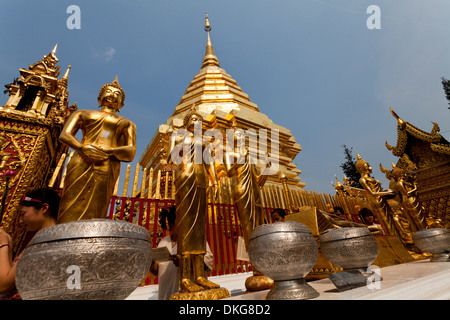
[107, 139]
[192, 178]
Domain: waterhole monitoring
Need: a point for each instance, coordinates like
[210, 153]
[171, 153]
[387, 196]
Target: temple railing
[222, 229]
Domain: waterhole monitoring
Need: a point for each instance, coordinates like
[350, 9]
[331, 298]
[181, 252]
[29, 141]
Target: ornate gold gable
[429, 154]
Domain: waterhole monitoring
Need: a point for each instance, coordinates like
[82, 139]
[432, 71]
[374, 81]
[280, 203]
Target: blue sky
[312, 66]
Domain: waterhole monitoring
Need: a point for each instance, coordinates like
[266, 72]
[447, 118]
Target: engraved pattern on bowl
[349, 248]
[112, 267]
[283, 251]
[91, 228]
[434, 240]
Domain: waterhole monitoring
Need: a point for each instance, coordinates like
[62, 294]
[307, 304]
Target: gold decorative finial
[66, 75]
[116, 80]
[207, 25]
[400, 122]
[210, 58]
[388, 146]
[54, 49]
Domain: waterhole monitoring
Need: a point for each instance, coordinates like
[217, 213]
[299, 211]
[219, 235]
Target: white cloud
[107, 55]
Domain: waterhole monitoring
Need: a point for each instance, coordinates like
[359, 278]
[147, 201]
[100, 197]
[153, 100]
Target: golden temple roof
[406, 131]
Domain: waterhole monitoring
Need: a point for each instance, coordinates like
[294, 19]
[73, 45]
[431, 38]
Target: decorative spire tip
[207, 25]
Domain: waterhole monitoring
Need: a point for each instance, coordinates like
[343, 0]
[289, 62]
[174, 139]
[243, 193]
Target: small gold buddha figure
[107, 139]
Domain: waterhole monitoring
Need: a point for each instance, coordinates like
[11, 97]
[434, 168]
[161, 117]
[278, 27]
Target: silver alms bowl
[83, 260]
[435, 241]
[349, 248]
[285, 252]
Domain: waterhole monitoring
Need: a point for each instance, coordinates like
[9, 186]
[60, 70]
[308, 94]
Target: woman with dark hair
[368, 218]
[278, 215]
[167, 220]
[39, 209]
[168, 271]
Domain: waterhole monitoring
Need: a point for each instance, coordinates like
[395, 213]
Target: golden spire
[65, 78]
[53, 54]
[66, 75]
[210, 58]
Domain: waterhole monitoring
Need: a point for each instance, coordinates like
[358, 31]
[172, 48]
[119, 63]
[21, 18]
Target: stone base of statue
[258, 283]
[209, 294]
[96, 259]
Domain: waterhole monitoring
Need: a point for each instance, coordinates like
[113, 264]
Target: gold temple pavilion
[30, 124]
[429, 154]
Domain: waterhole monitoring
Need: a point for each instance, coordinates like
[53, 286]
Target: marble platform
[418, 280]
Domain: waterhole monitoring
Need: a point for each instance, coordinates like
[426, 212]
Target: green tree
[446, 87]
[349, 167]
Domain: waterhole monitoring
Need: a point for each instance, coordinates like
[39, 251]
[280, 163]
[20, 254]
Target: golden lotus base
[258, 283]
[211, 294]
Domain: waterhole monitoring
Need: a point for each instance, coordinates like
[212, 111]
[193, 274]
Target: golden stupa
[220, 100]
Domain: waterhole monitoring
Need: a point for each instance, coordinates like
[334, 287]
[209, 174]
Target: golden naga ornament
[94, 168]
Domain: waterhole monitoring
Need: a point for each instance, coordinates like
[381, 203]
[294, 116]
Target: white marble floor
[419, 280]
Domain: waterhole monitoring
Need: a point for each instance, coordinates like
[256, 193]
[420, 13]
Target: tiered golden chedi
[219, 99]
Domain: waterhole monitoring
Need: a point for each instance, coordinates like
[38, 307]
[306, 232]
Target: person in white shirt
[168, 271]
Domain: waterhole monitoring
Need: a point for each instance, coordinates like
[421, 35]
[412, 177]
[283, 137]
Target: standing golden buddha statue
[247, 182]
[192, 178]
[107, 139]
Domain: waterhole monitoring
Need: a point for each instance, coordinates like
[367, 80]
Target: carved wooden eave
[441, 148]
[419, 146]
